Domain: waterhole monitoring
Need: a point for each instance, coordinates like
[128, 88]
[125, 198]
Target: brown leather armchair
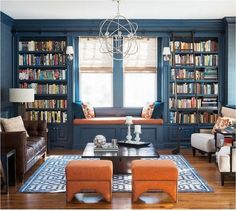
[28, 149]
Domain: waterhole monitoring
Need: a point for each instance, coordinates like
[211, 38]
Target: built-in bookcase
[42, 66]
[193, 80]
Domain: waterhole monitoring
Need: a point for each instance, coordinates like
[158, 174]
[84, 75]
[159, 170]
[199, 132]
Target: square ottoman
[154, 175]
[92, 175]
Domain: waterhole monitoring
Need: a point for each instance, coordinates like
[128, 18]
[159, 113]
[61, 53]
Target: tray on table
[133, 143]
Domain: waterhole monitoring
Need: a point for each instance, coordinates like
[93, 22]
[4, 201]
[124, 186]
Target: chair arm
[36, 128]
[231, 157]
[17, 141]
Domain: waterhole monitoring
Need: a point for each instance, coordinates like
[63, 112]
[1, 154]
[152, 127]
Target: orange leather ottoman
[154, 175]
[93, 175]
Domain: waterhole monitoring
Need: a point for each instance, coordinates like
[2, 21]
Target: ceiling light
[112, 34]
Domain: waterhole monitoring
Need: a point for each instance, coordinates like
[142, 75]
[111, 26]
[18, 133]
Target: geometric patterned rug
[50, 176]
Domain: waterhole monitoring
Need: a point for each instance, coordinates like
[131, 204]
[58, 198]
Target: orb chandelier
[112, 34]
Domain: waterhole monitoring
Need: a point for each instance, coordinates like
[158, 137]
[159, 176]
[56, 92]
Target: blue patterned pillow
[77, 111]
[158, 110]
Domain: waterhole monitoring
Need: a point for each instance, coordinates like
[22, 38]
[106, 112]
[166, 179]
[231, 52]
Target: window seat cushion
[116, 121]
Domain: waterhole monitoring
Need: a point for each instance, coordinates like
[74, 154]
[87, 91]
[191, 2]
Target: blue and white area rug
[50, 177]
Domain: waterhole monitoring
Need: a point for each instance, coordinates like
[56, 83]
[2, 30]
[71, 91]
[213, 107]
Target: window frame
[118, 109]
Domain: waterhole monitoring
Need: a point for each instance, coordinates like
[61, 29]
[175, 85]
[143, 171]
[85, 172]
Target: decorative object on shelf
[137, 131]
[99, 141]
[166, 54]
[22, 96]
[70, 53]
[113, 32]
[129, 122]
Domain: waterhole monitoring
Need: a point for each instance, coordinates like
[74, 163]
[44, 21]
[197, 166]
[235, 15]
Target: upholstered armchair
[226, 159]
[28, 149]
[205, 142]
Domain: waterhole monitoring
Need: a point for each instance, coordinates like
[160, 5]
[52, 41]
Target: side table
[224, 132]
[8, 159]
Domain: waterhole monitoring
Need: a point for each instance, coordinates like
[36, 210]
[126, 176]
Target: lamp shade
[69, 50]
[166, 51]
[19, 95]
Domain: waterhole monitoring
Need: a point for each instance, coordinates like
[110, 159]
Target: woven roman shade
[91, 59]
[145, 60]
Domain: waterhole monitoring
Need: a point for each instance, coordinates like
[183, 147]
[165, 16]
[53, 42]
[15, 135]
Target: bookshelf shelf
[44, 81]
[193, 82]
[42, 66]
[41, 52]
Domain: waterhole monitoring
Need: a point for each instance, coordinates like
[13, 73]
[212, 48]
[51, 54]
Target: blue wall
[6, 63]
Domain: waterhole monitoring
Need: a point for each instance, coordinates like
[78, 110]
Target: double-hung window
[140, 74]
[95, 73]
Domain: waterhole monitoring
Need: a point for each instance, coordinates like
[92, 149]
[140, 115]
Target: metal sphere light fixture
[112, 34]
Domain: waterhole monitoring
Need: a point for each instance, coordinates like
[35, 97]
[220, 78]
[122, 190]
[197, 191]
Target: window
[95, 74]
[140, 74]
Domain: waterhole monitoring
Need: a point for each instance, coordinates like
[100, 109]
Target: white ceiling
[136, 9]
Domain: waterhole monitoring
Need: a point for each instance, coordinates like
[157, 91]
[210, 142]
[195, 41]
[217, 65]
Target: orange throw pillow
[221, 123]
[88, 110]
[147, 110]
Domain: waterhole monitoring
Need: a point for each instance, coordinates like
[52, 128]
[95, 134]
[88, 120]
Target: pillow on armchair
[158, 110]
[221, 123]
[14, 124]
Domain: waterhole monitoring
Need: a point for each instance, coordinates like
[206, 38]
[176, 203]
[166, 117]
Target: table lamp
[22, 96]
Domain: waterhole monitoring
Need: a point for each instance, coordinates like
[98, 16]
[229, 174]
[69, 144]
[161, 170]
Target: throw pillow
[147, 110]
[78, 110]
[158, 110]
[221, 123]
[14, 124]
[88, 110]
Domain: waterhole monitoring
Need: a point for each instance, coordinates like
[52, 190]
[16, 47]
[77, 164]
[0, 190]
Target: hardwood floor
[223, 197]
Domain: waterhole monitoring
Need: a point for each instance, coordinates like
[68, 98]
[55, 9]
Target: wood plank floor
[223, 197]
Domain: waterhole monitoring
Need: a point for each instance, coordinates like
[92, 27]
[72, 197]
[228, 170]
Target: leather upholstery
[28, 150]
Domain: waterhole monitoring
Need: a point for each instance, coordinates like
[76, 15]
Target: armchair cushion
[223, 159]
[14, 124]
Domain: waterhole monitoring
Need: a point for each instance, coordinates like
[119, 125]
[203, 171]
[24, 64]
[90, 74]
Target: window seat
[116, 121]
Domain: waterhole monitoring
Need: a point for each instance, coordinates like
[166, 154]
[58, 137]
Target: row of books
[209, 45]
[182, 118]
[209, 103]
[204, 46]
[200, 60]
[178, 45]
[38, 74]
[207, 74]
[206, 60]
[46, 88]
[44, 59]
[187, 59]
[207, 89]
[49, 116]
[184, 103]
[181, 74]
[42, 45]
[189, 88]
[47, 104]
[200, 103]
[207, 117]
[186, 88]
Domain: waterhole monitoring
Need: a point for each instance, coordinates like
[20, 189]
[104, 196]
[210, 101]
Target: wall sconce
[166, 54]
[70, 53]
